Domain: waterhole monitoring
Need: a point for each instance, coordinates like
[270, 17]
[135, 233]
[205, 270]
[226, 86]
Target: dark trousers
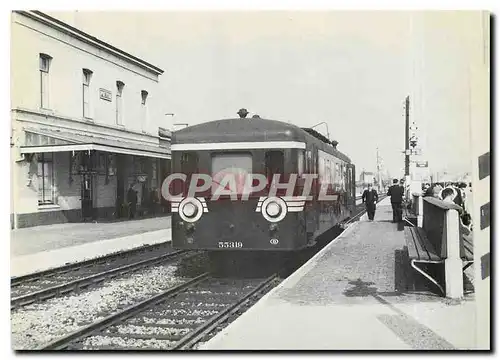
[133, 209]
[397, 212]
[370, 209]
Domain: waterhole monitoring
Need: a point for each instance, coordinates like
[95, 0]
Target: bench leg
[413, 265]
[467, 265]
[408, 221]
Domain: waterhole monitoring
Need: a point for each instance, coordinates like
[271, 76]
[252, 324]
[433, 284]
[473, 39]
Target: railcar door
[351, 186]
[311, 208]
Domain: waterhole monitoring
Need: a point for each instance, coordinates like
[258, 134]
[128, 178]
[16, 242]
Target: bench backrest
[435, 224]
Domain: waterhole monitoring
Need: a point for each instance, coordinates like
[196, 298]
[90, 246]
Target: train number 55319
[230, 244]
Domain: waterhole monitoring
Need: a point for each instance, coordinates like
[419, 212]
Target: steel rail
[17, 280]
[119, 316]
[191, 338]
[88, 280]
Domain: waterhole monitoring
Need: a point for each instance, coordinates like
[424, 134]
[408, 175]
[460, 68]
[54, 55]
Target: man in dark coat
[132, 201]
[396, 193]
[370, 198]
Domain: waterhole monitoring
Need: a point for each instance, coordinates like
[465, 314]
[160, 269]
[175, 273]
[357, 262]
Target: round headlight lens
[189, 209]
[273, 209]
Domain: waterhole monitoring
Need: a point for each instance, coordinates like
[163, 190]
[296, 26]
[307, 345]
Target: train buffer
[358, 293]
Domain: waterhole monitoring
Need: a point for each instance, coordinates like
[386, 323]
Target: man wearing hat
[370, 198]
[396, 193]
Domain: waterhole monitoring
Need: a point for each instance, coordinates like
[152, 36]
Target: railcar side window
[344, 176]
[309, 162]
[321, 169]
[348, 179]
[300, 162]
[332, 173]
[236, 165]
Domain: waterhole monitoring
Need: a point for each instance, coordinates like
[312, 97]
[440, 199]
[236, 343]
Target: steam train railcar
[254, 220]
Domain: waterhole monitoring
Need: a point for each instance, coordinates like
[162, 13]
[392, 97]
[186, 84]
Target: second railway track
[176, 319]
[64, 280]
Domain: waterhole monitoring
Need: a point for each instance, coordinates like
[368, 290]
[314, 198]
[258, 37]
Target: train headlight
[274, 209]
[190, 209]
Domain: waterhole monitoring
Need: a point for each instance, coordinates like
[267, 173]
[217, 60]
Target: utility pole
[378, 173]
[407, 136]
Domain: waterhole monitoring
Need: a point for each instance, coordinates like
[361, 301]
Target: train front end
[220, 188]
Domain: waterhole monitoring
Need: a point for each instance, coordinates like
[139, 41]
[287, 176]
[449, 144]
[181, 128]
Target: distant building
[85, 126]
[367, 177]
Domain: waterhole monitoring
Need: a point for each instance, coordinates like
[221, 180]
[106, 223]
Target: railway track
[61, 281]
[177, 319]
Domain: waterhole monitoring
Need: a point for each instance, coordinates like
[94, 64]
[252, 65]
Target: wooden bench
[467, 251]
[420, 250]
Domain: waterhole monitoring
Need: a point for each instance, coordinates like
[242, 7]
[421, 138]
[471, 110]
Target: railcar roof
[249, 130]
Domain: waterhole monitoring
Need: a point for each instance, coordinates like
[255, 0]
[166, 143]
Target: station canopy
[41, 141]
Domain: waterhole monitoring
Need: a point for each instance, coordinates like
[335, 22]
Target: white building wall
[69, 57]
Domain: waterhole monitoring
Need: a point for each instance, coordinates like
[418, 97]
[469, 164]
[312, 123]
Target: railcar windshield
[228, 167]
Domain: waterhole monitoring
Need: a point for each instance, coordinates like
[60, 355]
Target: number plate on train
[230, 244]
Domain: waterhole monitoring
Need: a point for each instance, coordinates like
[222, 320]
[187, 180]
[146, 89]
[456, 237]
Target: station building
[86, 122]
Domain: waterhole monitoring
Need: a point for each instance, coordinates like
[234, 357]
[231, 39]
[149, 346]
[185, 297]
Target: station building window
[119, 102]
[46, 193]
[87, 75]
[144, 111]
[45, 61]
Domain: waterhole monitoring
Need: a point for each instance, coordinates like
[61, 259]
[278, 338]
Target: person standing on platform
[448, 195]
[436, 190]
[370, 198]
[396, 193]
[132, 201]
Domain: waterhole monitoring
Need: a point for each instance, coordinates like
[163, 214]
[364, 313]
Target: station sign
[422, 164]
[413, 152]
[105, 94]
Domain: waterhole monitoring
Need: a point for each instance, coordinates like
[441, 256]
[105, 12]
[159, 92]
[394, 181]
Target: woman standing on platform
[370, 198]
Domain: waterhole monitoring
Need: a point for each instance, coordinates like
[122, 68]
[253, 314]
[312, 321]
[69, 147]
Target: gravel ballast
[40, 323]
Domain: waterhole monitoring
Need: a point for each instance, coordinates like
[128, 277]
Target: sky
[350, 69]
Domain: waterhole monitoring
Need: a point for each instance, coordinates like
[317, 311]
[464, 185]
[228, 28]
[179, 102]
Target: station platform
[44, 247]
[354, 295]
